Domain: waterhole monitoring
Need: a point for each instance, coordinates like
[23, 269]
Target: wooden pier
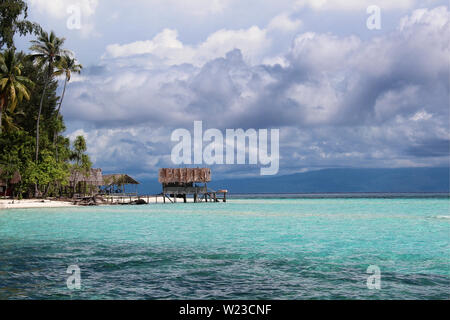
[117, 199]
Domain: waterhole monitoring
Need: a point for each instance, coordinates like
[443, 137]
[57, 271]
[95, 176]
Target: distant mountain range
[334, 181]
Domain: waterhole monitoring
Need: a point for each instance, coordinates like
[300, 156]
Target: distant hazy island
[334, 180]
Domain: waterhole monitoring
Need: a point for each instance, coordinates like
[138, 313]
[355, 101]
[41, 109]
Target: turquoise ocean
[282, 247]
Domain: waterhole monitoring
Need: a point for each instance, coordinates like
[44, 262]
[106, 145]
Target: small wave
[442, 217]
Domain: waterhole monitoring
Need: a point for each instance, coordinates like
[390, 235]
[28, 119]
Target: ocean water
[302, 248]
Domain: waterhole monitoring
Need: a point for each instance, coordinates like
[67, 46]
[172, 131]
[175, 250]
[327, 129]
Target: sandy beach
[32, 203]
[38, 203]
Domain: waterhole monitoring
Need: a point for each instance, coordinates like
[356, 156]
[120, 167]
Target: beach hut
[180, 182]
[81, 183]
[119, 183]
[6, 185]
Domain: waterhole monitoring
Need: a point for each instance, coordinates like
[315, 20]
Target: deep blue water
[243, 249]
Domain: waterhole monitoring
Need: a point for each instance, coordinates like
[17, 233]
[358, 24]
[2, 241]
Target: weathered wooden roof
[94, 177]
[118, 179]
[184, 175]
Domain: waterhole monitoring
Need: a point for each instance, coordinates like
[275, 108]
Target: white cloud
[195, 7]
[351, 5]
[166, 46]
[323, 51]
[284, 23]
[163, 42]
[421, 115]
[277, 60]
[435, 18]
[58, 8]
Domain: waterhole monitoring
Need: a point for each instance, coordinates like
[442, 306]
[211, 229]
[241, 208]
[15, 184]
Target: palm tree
[47, 52]
[8, 120]
[67, 66]
[13, 86]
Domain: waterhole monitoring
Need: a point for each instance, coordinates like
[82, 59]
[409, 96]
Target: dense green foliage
[13, 20]
[31, 143]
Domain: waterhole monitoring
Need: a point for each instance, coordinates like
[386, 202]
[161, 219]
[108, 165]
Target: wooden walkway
[210, 196]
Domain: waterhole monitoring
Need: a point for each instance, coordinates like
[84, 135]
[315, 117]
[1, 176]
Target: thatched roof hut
[14, 180]
[94, 178]
[184, 175]
[118, 179]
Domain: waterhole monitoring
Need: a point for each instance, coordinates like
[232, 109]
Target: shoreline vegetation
[36, 159]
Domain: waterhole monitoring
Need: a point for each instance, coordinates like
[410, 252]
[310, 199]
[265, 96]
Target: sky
[341, 94]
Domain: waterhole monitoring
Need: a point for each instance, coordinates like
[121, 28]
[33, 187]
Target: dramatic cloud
[339, 100]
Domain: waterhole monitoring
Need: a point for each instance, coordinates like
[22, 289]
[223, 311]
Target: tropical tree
[10, 165]
[28, 105]
[13, 86]
[81, 162]
[13, 20]
[66, 66]
[48, 51]
[10, 120]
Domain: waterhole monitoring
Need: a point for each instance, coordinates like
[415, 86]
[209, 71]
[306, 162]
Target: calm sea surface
[303, 248]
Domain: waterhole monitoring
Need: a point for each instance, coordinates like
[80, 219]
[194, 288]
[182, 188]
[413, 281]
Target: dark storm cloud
[430, 148]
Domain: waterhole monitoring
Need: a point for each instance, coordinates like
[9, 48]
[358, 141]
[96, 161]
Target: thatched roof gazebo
[116, 183]
[180, 182]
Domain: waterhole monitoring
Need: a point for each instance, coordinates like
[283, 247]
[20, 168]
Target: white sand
[27, 204]
[36, 203]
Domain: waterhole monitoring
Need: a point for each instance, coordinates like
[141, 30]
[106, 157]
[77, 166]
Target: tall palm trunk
[2, 103]
[36, 191]
[57, 111]
[38, 121]
[1, 116]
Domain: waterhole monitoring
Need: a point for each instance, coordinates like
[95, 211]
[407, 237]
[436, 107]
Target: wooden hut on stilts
[181, 182]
